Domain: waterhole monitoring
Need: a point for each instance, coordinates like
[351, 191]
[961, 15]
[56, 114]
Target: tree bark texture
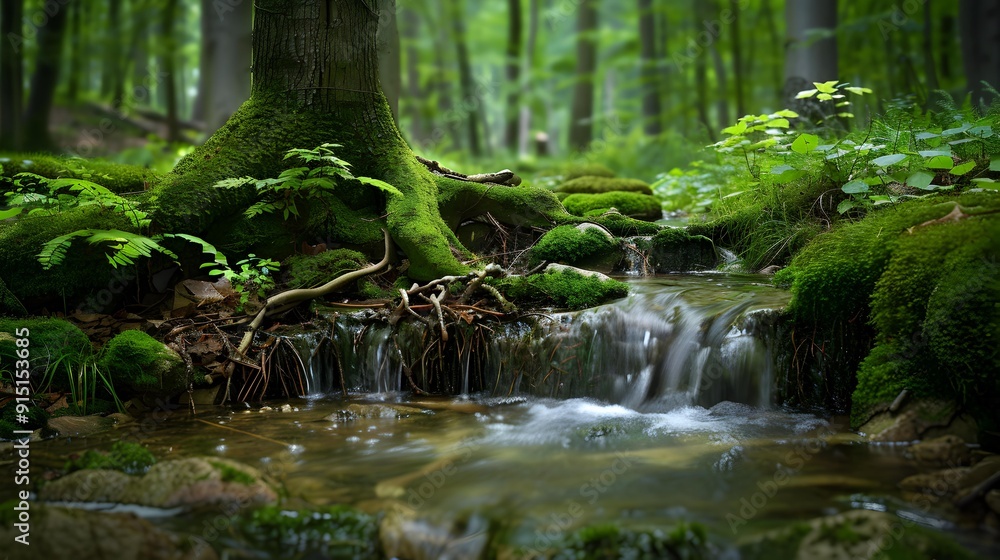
[581, 123]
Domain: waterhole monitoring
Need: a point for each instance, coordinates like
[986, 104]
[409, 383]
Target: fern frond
[122, 247]
[381, 185]
[217, 257]
[234, 182]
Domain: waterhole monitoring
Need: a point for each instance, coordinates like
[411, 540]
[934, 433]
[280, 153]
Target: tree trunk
[649, 69]
[44, 82]
[414, 89]
[514, 62]
[224, 77]
[141, 91]
[581, 124]
[76, 55]
[808, 60]
[930, 66]
[316, 81]
[701, 76]
[528, 86]
[170, 68]
[470, 102]
[111, 75]
[11, 75]
[979, 26]
[387, 37]
[736, 48]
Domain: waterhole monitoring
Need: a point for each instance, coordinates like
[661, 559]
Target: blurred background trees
[646, 81]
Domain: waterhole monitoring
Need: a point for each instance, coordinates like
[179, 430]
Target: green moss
[572, 246]
[331, 532]
[596, 185]
[127, 457]
[588, 170]
[55, 347]
[611, 541]
[85, 269]
[635, 205]
[9, 304]
[116, 177]
[674, 249]
[138, 363]
[560, 289]
[306, 271]
[229, 473]
[36, 415]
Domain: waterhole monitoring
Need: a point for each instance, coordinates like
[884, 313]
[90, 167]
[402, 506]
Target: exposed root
[502, 177]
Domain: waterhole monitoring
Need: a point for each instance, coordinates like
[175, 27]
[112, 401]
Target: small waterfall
[667, 345]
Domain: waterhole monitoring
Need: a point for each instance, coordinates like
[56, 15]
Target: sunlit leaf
[940, 162]
[964, 168]
[805, 143]
[921, 180]
[855, 187]
[886, 161]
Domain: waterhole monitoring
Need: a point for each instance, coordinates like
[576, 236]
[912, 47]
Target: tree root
[502, 177]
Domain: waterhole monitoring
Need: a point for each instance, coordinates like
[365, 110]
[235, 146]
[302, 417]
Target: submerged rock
[944, 451]
[405, 535]
[75, 534]
[189, 482]
[925, 418]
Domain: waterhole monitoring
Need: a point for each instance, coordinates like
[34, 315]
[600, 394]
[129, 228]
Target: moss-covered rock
[560, 289]
[116, 177]
[192, 482]
[588, 170]
[601, 542]
[635, 205]
[577, 246]
[855, 534]
[127, 457]
[36, 416]
[331, 532]
[597, 185]
[676, 250]
[55, 347]
[307, 271]
[138, 363]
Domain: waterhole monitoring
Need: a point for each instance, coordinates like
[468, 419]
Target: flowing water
[667, 417]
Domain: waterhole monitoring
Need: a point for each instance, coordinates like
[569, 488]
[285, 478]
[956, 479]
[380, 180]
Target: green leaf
[981, 131]
[5, 214]
[806, 94]
[855, 187]
[934, 153]
[921, 180]
[778, 123]
[926, 135]
[858, 90]
[964, 168]
[826, 87]
[995, 164]
[845, 205]
[940, 162]
[824, 97]
[805, 143]
[886, 161]
[381, 185]
[957, 130]
[738, 128]
[787, 113]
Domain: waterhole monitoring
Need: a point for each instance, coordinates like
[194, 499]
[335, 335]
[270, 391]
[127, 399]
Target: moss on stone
[138, 363]
[230, 473]
[116, 177]
[597, 185]
[676, 250]
[329, 532]
[306, 271]
[573, 246]
[588, 170]
[635, 205]
[127, 457]
[599, 542]
[55, 347]
[567, 290]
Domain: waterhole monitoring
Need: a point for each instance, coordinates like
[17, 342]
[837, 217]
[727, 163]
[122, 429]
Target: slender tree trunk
[224, 76]
[11, 75]
[44, 82]
[414, 90]
[930, 67]
[513, 74]
[390, 73]
[141, 86]
[737, 57]
[111, 75]
[649, 70]
[170, 68]
[465, 81]
[581, 125]
[771, 21]
[75, 54]
[701, 76]
[979, 25]
[527, 81]
[808, 61]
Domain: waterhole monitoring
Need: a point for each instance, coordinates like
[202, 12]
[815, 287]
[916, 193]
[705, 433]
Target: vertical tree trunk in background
[224, 75]
[930, 66]
[442, 82]
[722, 83]
[11, 75]
[76, 50]
[649, 70]
[387, 43]
[414, 90]
[111, 75]
[170, 69]
[946, 40]
[470, 102]
[774, 42]
[44, 82]
[701, 75]
[737, 56]
[139, 51]
[581, 123]
[513, 74]
[979, 28]
[807, 60]
[527, 81]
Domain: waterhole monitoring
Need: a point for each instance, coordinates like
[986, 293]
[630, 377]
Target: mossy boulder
[55, 345]
[127, 457]
[588, 170]
[192, 482]
[330, 532]
[307, 271]
[635, 205]
[676, 250]
[587, 247]
[116, 177]
[854, 534]
[596, 185]
[609, 541]
[138, 364]
[567, 290]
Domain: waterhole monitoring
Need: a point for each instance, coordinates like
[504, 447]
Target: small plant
[253, 277]
[317, 176]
